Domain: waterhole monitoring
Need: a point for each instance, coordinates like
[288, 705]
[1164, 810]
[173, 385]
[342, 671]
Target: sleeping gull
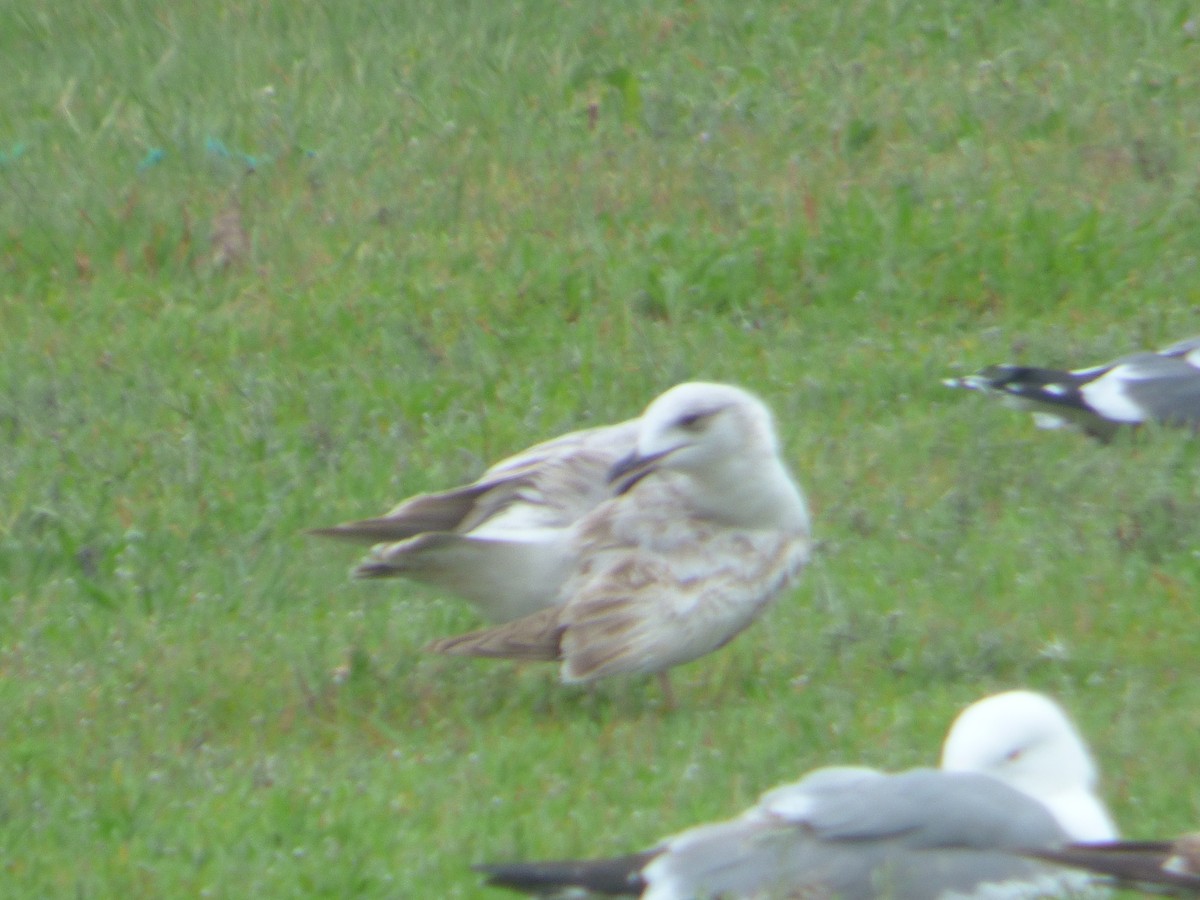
[501, 541]
[1161, 387]
[1167, 867]
[1015, 776]
[705, 529]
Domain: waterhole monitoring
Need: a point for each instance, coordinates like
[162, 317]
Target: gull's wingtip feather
[371, 570]
[1167, 867]
[330, 531]
[616, 877]
[365, 531]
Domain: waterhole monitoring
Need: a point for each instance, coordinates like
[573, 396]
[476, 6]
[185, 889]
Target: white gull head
[1026, 740]
[723, 439]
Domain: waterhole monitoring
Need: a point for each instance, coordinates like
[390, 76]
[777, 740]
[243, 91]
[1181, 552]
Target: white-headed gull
[1015, 777]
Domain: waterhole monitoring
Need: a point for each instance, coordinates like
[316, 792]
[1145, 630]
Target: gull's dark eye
[693, 421]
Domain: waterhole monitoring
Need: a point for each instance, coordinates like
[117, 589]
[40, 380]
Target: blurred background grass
[265, 266]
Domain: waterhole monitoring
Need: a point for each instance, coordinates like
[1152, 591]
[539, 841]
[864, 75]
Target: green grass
[473, 225]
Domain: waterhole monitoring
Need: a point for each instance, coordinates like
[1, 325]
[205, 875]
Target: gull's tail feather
[617, 877]
[1165, 867]
[536, 637]
[503, 578]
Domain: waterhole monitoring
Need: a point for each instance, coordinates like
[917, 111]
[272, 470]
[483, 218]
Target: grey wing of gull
[857, 835]
[1188, 350]
[1167, 388]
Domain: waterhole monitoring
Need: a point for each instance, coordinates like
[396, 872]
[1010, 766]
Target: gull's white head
[1026, 740]
[723, 438]
[697, 422]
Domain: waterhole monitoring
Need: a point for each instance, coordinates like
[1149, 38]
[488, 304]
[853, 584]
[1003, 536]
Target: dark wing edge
[619, 876]
[1162, 867]
[536, 637]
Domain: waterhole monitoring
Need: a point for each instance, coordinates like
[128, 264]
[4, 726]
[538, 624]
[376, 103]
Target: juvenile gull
[1015, 776]
[500, 542]
[1161, 387]
[705, 529]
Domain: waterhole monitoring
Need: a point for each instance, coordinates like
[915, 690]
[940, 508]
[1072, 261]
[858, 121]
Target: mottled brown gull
[706, 527]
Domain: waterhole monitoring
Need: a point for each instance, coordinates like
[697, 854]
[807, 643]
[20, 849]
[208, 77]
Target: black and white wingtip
[1158, 867]
[1162, 387]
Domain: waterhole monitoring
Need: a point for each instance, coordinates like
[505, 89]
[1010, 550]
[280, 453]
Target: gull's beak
[627, 472]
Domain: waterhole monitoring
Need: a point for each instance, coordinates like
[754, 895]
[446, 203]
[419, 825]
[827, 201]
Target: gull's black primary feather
[616, 877]
[1162, 387]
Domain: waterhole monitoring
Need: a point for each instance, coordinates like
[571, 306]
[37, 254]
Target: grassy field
[266, 266]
